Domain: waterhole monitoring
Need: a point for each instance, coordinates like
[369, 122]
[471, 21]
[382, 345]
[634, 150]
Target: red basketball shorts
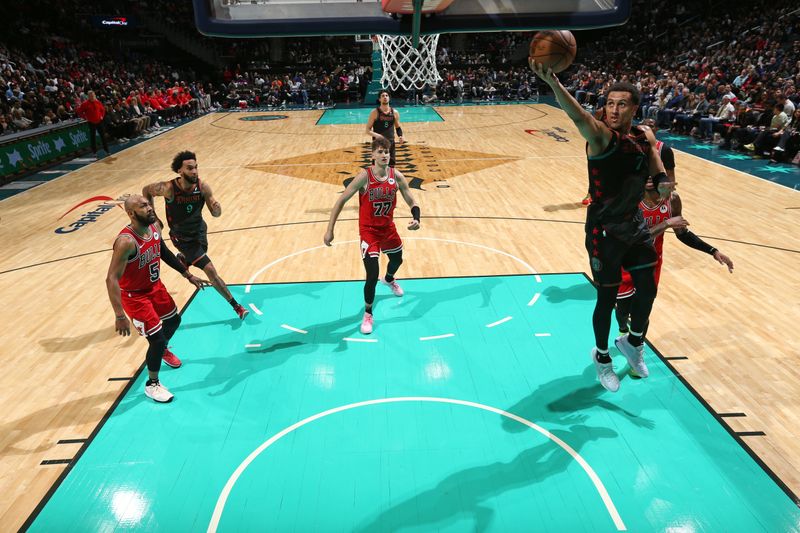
[377, 240]
[626, 288]
[148, 309]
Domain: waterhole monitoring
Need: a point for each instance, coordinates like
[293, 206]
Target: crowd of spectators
[301, 86]
[736, 86]
[48, 68]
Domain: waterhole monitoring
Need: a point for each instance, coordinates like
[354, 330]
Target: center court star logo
[420, 163]
[60, 144]
[14, 158]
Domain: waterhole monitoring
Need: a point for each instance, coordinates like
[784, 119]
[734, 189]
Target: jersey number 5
[381, 208]
[154, 271]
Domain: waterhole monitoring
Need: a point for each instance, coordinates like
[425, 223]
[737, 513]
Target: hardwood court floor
[499, 187]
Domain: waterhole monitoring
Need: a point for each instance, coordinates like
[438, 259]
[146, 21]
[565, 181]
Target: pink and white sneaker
[366, 324]
[397, 290]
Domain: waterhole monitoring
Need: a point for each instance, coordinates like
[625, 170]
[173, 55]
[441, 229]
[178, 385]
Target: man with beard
[184, 198]
[135, 288]
[620, 159]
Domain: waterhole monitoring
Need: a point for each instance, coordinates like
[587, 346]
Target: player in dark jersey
[661, 214]
[383, 121]
[185, 197]
[135, 288]
[377, 186]
[620, 159]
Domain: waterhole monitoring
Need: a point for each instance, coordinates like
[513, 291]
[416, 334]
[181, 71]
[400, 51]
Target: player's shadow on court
[423, 303]
[461, 495]
[561, 401]
[231, 369]
[580, 291]
[234, 322]
[69, 344]
[569, 206]
[58, 415]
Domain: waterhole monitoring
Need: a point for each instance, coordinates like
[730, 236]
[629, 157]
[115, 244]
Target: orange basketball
[554, 48]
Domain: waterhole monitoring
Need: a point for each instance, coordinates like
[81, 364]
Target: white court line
[541, 334]
[213, 524]
[290, 328]
[437, 337]
[502, 320]
[255, 309]
[533, 300]
[536, 275]
[252, 346]
[351, 339]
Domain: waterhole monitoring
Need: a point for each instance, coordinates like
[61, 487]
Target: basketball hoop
[410, 62]
[404, 65]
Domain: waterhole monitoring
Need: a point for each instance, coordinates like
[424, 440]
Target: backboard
[276, 18]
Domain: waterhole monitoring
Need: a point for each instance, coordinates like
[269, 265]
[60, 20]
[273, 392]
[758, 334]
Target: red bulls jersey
[143, 269]
[655, 215]
[377, 201]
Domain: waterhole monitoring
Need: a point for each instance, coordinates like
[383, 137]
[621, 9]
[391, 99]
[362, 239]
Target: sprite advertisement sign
[36, 151]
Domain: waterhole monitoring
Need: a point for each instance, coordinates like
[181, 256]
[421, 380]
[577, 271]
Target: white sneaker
[396, 289]
[366, 324]
[158, 392]
[605, 373]
[634, 355]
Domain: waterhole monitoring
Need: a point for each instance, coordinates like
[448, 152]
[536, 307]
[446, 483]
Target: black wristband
[658, 178]
[415, 213]
[399, 131]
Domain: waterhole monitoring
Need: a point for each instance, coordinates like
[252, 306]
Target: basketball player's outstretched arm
[358, 182]
[663, 182]
[124, 248]
[594, 131]
[213, 205]
[402, 184]
[691, 240]
[160, 188]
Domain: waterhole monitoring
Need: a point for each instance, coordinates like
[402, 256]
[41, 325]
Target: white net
[408, 67]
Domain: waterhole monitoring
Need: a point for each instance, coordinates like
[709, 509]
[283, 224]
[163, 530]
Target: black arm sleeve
[399, 131]
[415, 213]
[693, 241]
[668, 157]
[170, 259]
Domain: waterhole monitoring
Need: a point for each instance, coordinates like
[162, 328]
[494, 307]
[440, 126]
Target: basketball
[555, 49]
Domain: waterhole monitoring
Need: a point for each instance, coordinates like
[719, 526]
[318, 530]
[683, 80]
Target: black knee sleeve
[170, 325]
[158, 343]
[372, 267]
[623, 312]
[645, 283]
[601, 319]
[395, 260]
